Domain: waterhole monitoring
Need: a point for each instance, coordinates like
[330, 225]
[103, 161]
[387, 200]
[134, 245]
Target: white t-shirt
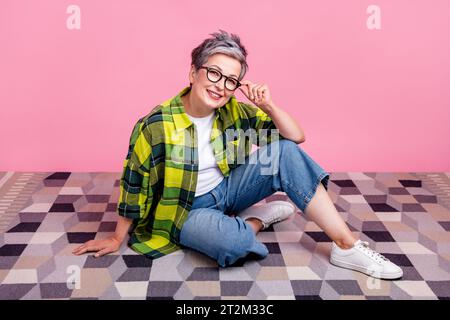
[209, 174]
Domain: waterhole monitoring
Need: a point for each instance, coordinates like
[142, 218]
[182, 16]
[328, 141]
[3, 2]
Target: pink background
[367, 100]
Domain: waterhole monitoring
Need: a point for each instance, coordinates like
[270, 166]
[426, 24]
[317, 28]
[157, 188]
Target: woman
[183, 182]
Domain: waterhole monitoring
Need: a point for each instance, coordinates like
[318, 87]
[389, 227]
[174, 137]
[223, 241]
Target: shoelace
[364, 246]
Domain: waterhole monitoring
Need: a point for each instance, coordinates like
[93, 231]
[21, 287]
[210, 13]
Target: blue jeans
[279, 166]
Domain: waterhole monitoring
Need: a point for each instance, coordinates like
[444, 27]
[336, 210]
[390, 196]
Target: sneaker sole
[372, 273]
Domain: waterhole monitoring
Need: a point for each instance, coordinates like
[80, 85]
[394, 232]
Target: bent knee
[288, 144]
[235, 248]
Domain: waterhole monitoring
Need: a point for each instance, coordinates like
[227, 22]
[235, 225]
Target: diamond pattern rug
[43, 216]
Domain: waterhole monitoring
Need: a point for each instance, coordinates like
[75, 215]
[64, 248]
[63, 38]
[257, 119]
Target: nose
[220, 85]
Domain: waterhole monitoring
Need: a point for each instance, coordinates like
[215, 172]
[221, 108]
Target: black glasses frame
[221, 76]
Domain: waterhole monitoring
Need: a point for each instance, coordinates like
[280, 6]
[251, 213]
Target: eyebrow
[214, 65]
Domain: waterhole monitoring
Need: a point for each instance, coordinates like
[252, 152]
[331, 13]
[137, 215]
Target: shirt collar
[179, 116]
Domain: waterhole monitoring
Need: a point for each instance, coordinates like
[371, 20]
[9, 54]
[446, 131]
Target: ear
[192, 74]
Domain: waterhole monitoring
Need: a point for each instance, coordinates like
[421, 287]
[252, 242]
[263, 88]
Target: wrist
[269, 108]
[118, 238]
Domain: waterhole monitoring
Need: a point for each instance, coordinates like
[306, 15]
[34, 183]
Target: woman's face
[214, 95]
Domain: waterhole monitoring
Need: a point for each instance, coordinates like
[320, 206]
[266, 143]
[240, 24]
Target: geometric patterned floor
[43, 216]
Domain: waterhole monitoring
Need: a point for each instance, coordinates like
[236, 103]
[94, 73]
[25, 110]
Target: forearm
[287, 126]
[123, 225]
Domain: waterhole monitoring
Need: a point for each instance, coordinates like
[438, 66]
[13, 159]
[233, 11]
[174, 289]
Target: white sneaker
[363, 259]
[269, 212]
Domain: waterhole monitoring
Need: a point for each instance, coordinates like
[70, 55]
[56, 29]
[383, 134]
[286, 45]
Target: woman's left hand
[259, 94]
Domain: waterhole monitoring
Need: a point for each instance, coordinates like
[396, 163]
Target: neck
[198, 112]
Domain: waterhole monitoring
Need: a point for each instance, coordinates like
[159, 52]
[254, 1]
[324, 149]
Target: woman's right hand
[102, 247]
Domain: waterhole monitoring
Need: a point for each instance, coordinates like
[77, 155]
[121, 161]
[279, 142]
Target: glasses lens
[231, 84]
[214, 75]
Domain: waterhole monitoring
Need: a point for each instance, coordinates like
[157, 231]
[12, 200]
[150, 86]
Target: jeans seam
[310, 194]
[301, 196]
[216, 199]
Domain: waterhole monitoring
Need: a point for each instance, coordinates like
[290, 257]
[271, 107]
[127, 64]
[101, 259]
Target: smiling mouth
[214, 95]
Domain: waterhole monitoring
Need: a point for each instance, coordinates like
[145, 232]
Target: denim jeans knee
[219, 236]
[285, 143]
[300, 174]
[239, 246]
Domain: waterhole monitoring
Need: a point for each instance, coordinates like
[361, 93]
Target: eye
[233, 81]
[214, 73]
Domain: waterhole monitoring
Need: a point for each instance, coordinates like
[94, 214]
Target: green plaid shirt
[159, 178]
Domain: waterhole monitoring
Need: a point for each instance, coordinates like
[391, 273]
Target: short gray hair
[224, 43]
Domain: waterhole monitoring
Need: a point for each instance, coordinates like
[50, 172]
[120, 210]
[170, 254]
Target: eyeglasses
[215, 75]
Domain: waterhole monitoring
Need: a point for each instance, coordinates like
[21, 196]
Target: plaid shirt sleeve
[135, 190]
[262, 123]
